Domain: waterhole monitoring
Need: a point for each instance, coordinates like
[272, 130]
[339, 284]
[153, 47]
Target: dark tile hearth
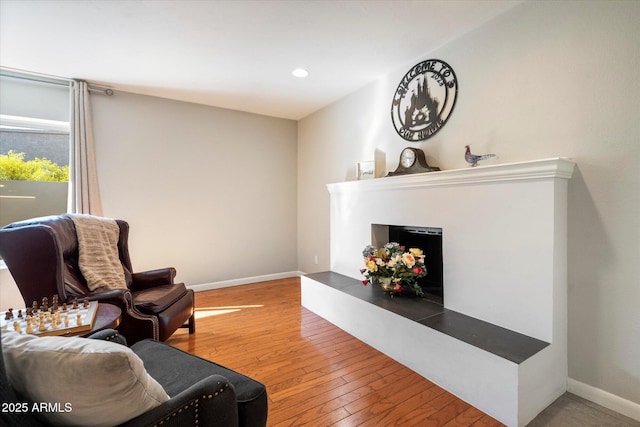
[502, 342]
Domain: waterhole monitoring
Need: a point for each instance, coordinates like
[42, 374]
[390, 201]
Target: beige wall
[209, 191]
[547, 79]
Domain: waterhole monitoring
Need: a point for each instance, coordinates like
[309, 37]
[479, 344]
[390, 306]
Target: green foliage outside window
[13, 167]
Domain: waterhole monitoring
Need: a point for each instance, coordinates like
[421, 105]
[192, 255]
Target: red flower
[362, 270]
[418, 270]
[398, 288]
[365, 282]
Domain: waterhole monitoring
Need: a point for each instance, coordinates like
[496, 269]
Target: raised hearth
[499, 341]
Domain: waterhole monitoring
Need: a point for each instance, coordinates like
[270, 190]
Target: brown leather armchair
[42, 256]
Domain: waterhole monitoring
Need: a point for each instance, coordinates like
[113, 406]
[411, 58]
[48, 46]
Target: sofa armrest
[152, 278]
[209, 402]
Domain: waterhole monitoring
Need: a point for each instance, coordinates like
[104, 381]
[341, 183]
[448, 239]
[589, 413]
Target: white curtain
[84, 193]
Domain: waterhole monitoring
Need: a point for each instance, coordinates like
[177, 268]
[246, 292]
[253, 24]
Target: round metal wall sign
[424, 100]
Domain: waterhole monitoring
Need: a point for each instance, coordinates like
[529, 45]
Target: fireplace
[429, 240]
[504, 265]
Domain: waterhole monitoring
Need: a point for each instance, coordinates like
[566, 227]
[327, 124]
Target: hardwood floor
[318, 375]
[315, 373]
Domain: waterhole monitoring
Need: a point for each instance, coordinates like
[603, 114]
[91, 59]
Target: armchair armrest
[119, 297]
[134, 324]
[152, 278]
[115, 296]
[209, 402]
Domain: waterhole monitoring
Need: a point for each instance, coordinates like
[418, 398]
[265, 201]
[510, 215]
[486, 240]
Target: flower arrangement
[397, 270]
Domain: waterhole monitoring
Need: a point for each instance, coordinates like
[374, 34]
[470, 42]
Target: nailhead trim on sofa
[195, 403]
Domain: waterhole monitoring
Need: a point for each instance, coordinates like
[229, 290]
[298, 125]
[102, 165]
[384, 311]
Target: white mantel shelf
[558, 167]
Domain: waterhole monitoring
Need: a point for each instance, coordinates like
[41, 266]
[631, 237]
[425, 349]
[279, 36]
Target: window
[34, 148]
[34, 168]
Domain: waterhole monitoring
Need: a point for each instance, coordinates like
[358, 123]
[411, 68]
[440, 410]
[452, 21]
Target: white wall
[546, 79]
[209, 191]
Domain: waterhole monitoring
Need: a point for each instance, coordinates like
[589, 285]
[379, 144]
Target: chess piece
[35, 306]
[64, 306]
[42, 327]
[29, 327]
[75, 303]
[86, 303]
[9, 314]
[66, 320]
[17, 327]
[19, 314]
[45, 304]
[79, 319]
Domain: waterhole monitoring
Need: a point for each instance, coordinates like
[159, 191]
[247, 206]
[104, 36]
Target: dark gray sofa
[201, 392]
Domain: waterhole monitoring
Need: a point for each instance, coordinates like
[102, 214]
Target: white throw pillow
[87, 381]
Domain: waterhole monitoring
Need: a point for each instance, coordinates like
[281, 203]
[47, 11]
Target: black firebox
[429, 239]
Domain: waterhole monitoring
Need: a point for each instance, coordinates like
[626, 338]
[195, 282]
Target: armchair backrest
[42, 256]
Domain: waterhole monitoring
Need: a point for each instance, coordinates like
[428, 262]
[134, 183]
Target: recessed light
[300, 73]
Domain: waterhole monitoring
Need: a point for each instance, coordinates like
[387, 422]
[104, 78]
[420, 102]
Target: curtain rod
[36, 77]
[56, 80]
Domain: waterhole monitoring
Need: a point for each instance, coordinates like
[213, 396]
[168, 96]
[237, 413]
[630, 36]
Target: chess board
[78, 320]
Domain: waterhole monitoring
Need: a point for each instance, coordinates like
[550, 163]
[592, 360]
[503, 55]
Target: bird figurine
[473, 159]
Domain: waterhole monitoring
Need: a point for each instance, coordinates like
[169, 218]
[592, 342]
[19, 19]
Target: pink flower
[418, 270]
[365, 282]
[398, 288]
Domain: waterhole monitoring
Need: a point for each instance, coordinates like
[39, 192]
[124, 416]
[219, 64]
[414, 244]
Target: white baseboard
[604, 398]
[243, 281]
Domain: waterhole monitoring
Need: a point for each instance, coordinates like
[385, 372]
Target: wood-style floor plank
[316, 374]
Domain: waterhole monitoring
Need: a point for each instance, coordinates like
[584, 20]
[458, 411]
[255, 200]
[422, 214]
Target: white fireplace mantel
[558, 167]
[504, 243]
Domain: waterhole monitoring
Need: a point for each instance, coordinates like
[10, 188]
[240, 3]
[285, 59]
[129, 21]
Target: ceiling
[233, 54]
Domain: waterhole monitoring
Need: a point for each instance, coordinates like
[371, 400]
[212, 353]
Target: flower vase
[386, 284]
